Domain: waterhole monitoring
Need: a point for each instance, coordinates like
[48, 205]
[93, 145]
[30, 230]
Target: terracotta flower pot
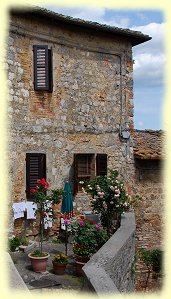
[38, 263]
[59, 268]
[83, 259]
[80, 261]
[79, 266]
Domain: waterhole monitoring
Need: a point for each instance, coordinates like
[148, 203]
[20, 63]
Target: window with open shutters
[42, 68]
[87, 166]
[35, 169]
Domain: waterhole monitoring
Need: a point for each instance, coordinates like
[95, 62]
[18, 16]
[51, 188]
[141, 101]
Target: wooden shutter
[35, 169]
[101, 164]
[75, 174]
[50, 61]
[42, 68]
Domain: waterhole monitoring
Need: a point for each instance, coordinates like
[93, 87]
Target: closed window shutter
[101, 164]
[35, 169]
[42, 68]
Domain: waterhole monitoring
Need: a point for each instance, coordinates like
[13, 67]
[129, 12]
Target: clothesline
[20, 207]
[29, 207]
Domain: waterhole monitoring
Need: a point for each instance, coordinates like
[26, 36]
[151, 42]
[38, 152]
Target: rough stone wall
[151, 207]
[149, 212]
[91, 98]
[110, 270]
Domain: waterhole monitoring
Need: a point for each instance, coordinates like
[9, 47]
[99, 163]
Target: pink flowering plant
[88, 237]
[108, 195]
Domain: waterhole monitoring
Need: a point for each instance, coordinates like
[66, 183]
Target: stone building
[71, 108]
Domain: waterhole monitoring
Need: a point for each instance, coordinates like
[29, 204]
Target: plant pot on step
[81, 258]
[39, 263]
[80, 261]
[59, 268]
[79, 266]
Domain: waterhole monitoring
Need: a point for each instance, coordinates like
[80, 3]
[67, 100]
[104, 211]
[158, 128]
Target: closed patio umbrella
[67, 201]
[67, 208]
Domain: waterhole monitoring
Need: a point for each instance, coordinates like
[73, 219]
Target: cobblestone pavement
[48, 281]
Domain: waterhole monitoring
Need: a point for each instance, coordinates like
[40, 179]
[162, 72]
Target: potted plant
[156, 260]
[153, 261]
[59, 262]
[13, 243]
[88, 238]
[44, 213]
[109, 199]
[56, 197]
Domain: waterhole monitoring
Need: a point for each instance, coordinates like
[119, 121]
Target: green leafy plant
[60, 258]
[24, 241]
[56, 195]
[152, 258]
[38, 253]
[153, 261]
[14, 243]
[157, 259]
[56, 241]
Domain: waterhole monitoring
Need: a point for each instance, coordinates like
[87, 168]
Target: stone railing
[111, 269]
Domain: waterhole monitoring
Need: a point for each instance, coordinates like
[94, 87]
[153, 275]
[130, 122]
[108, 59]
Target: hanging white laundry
[48, 221]
[18, 209]
[64, 226]
[31, 208]
[45, 224]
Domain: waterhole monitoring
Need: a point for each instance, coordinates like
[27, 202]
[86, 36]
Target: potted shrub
[156, 260]
[44, 208]
[109, 199]
[153, 261]
[13, 243]
[88, 238]
[59, 262]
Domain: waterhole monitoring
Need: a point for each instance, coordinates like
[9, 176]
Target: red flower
[43, 182]
[32, 190]
[46, 186]
[81, 217]
[38, 181]
[37, 187]
[91, 222]
[44, 214]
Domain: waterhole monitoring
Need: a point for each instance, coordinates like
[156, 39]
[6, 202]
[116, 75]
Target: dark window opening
[35, 169]
[101, 164]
